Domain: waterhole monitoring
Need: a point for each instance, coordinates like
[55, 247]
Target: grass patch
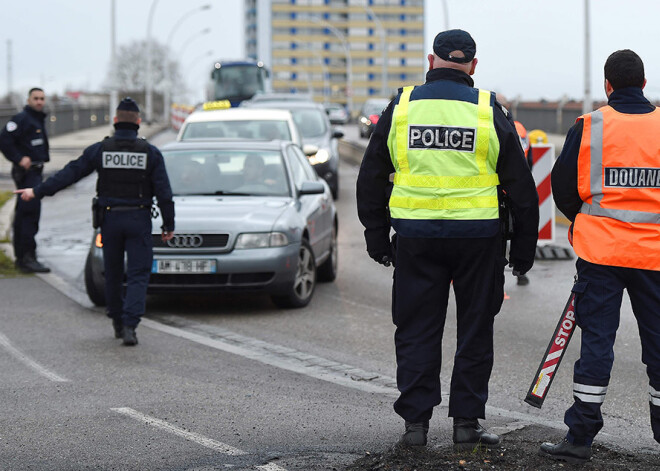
[5, 196]
[7, 268]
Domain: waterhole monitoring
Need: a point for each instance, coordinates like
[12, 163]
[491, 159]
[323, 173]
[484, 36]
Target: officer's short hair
[34, 89]
[623, 69]
[127, 116]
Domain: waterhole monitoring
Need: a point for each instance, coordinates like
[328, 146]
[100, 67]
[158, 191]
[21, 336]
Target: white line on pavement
[270, 467]
[4, 341]
[192, 436]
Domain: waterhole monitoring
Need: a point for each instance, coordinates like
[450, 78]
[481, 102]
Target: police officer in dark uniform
[447, 148]
[24, 142]
[130, 172]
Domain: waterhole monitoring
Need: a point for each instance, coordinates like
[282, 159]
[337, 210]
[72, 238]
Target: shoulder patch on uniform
[504, 110]
[11, 126]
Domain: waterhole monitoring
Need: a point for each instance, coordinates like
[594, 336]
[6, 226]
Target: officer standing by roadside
[25, 143]
[607, 182]
[130, 172]
[449, 146]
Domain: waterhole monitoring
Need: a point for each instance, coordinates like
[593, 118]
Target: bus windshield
[238, 82]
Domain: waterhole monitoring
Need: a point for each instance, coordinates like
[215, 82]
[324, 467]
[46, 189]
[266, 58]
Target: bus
[237, 81]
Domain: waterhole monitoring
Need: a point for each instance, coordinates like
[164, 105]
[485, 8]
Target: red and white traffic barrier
[543, 158]
[178, 115]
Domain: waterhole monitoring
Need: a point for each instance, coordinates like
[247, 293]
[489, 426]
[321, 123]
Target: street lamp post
[587, 104]
[114, 98]
[149, 85]
[349, 64]
[167, 95]
[383, 45]
[191, 38]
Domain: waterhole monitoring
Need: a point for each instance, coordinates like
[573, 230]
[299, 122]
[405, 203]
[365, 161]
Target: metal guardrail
[351, 151]
[66, 117]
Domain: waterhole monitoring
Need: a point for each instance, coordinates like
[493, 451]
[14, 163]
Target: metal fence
[63, 118]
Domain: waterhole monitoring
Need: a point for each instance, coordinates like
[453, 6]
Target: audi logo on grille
[181, 241]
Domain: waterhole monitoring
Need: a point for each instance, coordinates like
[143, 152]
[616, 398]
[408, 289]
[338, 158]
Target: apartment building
[343, 51]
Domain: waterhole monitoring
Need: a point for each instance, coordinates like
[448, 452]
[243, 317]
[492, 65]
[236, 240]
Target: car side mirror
[310, 149]
[337, 133]
[311, 188]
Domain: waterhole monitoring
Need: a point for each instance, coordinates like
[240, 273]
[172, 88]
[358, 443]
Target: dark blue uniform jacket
[516, 180]
[90, 160]
[26, 136]
[628, 100]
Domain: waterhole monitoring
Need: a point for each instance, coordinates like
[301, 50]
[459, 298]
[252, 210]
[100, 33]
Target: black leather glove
[386, 260]
[379, 247]
[520, 267]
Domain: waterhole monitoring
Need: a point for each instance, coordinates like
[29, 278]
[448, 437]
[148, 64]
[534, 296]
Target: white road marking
[270, 467]
[192, 436]
[4, 342]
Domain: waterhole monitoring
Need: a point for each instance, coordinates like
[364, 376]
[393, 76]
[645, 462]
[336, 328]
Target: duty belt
[125, 208]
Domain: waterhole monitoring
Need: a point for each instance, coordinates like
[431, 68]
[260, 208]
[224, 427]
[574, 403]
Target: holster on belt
[98, 213]
[18, 173]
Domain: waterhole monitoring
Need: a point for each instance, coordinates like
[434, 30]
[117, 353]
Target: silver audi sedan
[250, 216]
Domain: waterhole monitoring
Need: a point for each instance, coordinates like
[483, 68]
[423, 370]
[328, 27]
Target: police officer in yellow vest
[449, 147]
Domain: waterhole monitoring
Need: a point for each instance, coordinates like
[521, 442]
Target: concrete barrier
[351, 151]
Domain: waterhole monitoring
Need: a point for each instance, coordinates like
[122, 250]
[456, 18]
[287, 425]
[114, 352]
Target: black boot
[29, 264]
[468, 434]
[129, 336]
[415, 434]
[523, 280]
[566, 451]
[119, 328]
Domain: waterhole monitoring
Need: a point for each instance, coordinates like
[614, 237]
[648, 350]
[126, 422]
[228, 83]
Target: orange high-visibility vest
[619, 184]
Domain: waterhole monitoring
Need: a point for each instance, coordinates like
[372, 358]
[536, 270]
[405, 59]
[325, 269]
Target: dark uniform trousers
[129, 232]
[26, 215]
[425, 268]
[597, 313]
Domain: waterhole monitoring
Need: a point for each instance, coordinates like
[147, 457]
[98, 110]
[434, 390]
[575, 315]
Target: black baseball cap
[452, 40]
[128, 104]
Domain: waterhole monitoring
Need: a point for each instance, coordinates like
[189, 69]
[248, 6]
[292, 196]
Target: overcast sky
[527, 49]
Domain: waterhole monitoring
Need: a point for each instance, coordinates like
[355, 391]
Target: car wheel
[328, 270]
[95, 287]
[334, 189]
[302, 289]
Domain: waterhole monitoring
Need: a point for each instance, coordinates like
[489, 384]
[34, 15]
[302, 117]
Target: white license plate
[183, 266]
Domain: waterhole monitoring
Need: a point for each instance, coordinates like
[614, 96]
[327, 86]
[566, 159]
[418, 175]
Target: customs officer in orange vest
[607, 182]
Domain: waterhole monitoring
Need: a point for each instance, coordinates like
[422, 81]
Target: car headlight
[321, 156]
[258, 240]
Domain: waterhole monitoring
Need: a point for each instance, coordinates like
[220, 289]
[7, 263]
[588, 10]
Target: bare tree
[129, 72]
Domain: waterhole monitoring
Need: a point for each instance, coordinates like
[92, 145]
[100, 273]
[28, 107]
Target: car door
[316, 209]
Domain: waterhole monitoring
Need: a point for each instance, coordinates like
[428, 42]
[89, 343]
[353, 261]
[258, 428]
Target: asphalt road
[232, 381]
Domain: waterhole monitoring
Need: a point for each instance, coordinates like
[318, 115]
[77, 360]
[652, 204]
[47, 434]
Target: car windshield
[239, 129]
[311, 122]
[226, 172]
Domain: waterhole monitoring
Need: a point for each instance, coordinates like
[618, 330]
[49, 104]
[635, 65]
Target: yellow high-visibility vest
[445, 157]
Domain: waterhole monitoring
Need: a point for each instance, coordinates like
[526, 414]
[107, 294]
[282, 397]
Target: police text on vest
[441, 138]
[633, 177]
[125, 160]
